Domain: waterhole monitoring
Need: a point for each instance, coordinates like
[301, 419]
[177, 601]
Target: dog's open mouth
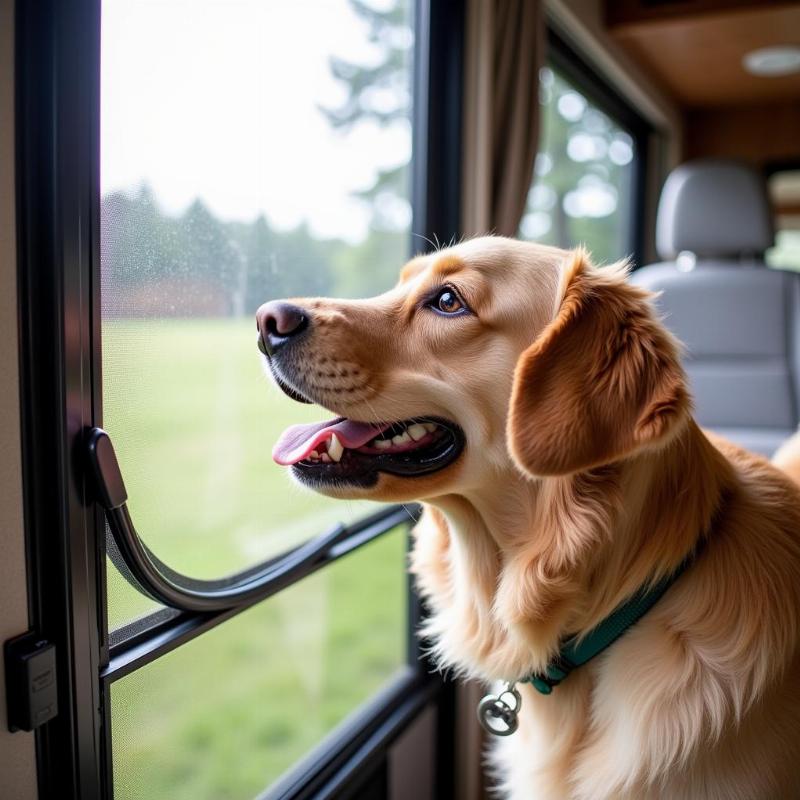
[346, 451]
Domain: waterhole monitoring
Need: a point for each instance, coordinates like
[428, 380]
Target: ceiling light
[773, 62]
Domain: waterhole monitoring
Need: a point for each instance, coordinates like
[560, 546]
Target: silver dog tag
[498, 713]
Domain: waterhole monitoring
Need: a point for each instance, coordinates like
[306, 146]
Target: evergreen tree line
[194, 264]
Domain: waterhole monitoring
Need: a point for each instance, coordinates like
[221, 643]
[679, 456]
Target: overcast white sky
[218, 99]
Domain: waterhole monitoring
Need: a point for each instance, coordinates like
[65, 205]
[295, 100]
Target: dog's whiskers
[425, 238]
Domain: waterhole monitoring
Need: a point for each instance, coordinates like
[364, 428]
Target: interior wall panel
[758, 134]
[17, 756]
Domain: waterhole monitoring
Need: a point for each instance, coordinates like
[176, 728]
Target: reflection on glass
[784, 193]
[581, 191]
[225, 715]
[786, 252]
[246, 155]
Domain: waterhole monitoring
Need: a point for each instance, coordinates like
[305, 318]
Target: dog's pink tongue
[298, 441]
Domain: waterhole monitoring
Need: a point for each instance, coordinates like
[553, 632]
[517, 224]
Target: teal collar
[577, 651]
[498, 713]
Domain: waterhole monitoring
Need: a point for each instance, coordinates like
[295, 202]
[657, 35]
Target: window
[784, 192]
[225, 185]
[584, 188]
[217, 189]
[228, 713]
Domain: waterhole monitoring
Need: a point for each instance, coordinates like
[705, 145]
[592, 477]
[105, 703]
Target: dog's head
[489, 352]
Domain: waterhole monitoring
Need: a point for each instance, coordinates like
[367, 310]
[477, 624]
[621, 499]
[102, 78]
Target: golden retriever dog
[536, 406]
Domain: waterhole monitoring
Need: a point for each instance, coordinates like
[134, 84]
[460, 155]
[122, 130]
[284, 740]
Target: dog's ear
[602, 380]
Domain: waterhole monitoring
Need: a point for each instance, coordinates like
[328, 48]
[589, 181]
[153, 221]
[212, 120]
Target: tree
[380, 93]
[154, 264]
[137, 241]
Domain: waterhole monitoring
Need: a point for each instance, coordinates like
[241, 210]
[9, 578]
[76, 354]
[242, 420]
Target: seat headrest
[714, 208]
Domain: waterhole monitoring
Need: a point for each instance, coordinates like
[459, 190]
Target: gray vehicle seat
[739, 320]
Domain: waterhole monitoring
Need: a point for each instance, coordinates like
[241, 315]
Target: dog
[537, 407]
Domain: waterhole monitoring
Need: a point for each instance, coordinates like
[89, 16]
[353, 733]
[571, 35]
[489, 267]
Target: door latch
[31, 697]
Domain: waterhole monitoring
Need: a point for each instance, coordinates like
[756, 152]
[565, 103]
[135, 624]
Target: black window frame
[57, 74]
[564, 56]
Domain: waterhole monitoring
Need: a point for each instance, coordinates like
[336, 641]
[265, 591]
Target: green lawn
[193, 420]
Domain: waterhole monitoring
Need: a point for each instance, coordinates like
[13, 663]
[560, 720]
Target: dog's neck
[553, 556]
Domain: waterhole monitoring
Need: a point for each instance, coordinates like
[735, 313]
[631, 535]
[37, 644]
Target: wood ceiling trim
[622, 14]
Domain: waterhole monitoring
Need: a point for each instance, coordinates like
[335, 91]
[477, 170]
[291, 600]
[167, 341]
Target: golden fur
[584, 477]
[788, 458]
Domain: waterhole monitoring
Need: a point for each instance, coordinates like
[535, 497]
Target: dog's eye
[448, 302]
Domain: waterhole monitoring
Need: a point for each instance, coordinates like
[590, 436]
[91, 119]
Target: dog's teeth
[325, 458]
[404, 438]
[430, 426]
[382, 444]
[417, 432]
[335, 449]
[314, 454]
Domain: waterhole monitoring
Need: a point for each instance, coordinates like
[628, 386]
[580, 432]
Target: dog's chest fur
[582, 743]
[699, 699]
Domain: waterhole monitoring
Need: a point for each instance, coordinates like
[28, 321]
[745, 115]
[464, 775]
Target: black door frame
[57, 141]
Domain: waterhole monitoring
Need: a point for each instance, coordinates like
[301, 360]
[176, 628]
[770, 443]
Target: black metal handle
[156, 579]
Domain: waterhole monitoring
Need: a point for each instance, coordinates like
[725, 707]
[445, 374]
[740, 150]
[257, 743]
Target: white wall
[17, 759]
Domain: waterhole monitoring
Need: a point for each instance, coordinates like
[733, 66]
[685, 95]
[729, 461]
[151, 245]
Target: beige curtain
[504, 51]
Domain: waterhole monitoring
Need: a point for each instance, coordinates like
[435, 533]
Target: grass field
[193, 420]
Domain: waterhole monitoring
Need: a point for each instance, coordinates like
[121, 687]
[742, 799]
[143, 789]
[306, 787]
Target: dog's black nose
[278, 322]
